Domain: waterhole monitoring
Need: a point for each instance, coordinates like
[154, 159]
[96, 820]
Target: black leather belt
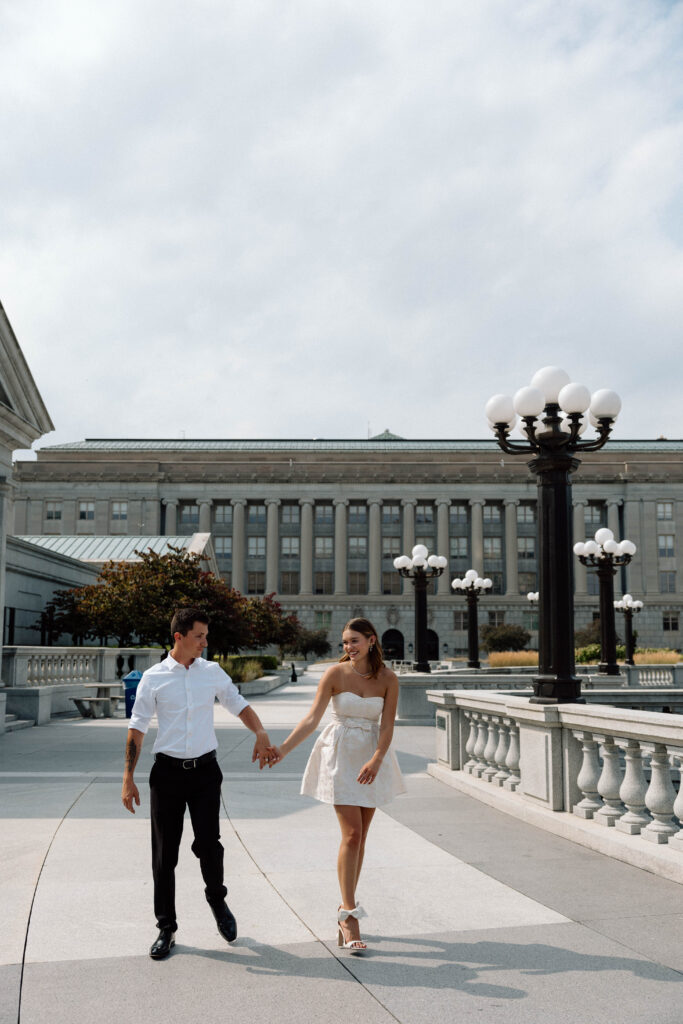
[186, 762]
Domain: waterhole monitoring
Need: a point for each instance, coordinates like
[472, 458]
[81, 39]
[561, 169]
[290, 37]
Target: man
[181, 690]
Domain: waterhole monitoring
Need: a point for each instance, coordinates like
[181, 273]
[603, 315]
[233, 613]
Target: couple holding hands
[351, 765]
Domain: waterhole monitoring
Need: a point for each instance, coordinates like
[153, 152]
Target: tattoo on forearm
[131, 754]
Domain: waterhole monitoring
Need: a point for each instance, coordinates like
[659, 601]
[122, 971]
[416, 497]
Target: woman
[351, 765]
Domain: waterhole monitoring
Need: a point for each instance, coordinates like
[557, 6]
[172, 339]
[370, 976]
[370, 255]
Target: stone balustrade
[587, 771]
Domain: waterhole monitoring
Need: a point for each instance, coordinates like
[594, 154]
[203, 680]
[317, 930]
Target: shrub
[504, 638]
[588, 654]
[656, 656]
[239, 664]
[501, 659]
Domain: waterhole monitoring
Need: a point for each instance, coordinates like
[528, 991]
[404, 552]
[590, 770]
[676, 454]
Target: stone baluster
[490, 750]
[501, 753]
[512, 758]
[471, 743]
[480, 746]
[676, 842]
[609, 783]
[659, 798]
[632, 790]
[588, 777]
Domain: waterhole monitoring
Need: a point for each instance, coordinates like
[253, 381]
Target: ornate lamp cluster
[420, 569]
[606, 555]
[472, 585]
[553, 413]
[628, 607]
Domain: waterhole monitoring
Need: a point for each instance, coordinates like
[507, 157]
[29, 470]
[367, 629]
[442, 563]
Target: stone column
[477, 506]
[613, 523]
[511, 554]
[651, 530]
[633, 529]
[442, 545]
[374, 546]
[340, 560]
[238, 506]
[408, 525]
[306, 542]
[171, 528]
[272, 542]
[205, 515]
[580, 575]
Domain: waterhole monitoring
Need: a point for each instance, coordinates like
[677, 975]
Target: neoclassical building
[320, 522]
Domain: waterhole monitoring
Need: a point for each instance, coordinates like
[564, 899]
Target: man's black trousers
[172, 789]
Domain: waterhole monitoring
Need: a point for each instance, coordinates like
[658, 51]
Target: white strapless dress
[341, 750]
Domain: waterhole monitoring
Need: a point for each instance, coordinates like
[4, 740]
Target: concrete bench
[94, 707]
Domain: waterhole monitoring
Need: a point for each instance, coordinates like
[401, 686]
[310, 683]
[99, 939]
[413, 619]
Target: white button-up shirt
[183, 699]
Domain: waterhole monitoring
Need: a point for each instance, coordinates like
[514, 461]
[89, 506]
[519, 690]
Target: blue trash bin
[130, 688]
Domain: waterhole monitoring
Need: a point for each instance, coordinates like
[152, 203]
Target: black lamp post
[628, 607]
[606, 555]
[552, 412]
[472, 585]
[420, 569]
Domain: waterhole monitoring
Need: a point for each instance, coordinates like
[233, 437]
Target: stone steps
[13, 723]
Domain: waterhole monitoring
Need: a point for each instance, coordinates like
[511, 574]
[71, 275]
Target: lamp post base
[556, 690]
[607, 668]
[474, 664]
[421, 666]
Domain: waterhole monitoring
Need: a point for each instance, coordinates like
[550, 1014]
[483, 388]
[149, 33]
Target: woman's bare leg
[366, 814]
[351, 825]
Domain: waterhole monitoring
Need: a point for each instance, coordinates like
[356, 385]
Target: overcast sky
[319, 218]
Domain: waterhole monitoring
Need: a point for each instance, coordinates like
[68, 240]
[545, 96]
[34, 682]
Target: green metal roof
[323, 444]
[116, 548]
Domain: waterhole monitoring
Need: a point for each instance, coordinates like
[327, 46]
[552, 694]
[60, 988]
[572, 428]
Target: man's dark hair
[185, 618]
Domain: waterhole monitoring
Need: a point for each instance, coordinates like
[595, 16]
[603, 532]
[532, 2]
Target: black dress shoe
[225, 919]
[163, 944]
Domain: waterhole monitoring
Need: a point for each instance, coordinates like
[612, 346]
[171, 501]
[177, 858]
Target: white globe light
[637, 605]
[398, 562]
[471, 574]
[619, 604]
[488, 583]
[627, 547]
[579, 548]
[611, 547]
[574, 398]
[550, 380]
[420, 550]
[433, 561]
[499, 409]
[591, 548]
[603, 534]
[605, 404]
[442, 561]
[593, 420]
[457, 584]
[627, 599]
[529, 401]
[419, 561]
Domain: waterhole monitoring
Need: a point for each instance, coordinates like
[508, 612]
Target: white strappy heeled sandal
[353, 945]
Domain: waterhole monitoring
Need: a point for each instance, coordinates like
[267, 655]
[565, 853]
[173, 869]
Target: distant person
[181, 691]
[351, 764]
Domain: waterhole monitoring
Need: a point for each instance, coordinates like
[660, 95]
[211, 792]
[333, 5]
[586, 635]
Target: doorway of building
[393, 645]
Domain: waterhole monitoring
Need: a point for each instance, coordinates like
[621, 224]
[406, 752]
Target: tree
[504, 638]
[310, 641]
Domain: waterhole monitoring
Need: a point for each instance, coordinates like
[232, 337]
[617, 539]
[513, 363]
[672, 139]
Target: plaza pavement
[473, 916]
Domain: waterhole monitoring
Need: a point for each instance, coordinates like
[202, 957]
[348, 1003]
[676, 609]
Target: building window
[526, 513]
[189, 515]
[493, 547]
[119, 510]
[324, 547]
[86, 510]
[497, 581]
[460, 621]
[594, 514]
[223, 547]
[289, 583]
[53, 510]
[530, 619]
[391, 583]
[427, 541]
[323, 620]
[222, 515]
[256, 547]
[492, 513]
[358, 514]
[256, 513]
[496, 618]
[667, 583]
[526, 547]
[290, 515]
[592, 584]
[665, 545]
[670, 622]
[358, 548]
[358, 583]
[458, 547]
[424, 515]
[256, 583]
[526, 582]
[391, 515]
[289, 547]
[322, 583]
[391, 548]
[457, 515]
[324, 514]
[665, 510]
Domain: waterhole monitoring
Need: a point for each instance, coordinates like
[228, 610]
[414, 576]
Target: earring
[371, 648]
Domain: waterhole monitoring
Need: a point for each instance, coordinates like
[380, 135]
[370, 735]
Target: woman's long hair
[375, 656]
